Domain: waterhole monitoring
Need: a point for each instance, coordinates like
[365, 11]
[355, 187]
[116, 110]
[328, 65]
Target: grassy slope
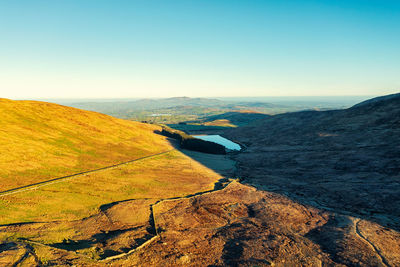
[41, 140]
[168, 175]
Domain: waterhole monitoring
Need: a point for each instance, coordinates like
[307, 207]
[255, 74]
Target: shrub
[191, 143]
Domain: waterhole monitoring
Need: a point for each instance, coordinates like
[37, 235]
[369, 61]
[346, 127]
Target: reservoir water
[219, 140]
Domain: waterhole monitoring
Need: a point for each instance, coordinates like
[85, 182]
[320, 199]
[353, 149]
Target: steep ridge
[41, 140]
[343, 160]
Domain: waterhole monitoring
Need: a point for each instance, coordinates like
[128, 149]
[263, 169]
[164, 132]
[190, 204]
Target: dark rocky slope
[347, 160]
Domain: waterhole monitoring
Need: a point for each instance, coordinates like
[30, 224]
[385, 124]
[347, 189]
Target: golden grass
[168, 175]
[41, 140]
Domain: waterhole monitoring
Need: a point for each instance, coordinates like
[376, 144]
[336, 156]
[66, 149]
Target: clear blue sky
[97, 48]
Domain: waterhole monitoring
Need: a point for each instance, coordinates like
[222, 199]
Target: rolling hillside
[41, 140]
[93, 215]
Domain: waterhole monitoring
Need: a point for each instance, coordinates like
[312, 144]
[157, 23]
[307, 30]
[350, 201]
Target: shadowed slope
[238, 118]
[345, 160]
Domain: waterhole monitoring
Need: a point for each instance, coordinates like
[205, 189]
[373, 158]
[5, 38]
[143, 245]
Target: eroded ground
[235, 226]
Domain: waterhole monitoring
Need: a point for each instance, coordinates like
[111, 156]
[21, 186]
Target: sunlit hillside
[41, 140]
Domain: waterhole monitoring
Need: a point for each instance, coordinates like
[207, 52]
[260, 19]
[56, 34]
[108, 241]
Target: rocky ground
[236, 226]
[344, 161]
[347, 161]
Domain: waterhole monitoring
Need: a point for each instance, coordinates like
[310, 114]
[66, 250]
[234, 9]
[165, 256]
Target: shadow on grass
[221, 164]
[102, 238]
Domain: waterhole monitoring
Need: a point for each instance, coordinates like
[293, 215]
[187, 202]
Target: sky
[203, 48]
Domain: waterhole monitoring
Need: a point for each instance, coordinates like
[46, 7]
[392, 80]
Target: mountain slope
[41, 140]
[345, 160]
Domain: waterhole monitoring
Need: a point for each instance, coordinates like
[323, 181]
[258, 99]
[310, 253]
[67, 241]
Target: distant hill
[237, 118]
[350, 157]
[148, 104]
[177, 107]
[180, 109]
[39, 140]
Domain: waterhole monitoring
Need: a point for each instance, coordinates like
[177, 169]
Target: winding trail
[374, 248]
[72, 176]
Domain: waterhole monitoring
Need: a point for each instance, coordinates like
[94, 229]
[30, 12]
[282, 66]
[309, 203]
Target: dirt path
[68, 177]
[374, 248]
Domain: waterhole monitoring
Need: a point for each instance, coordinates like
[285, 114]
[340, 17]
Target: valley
[308, 188]
[200, 133]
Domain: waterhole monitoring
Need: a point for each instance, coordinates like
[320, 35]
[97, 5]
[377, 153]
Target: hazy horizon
[322, 101]
[248, 97]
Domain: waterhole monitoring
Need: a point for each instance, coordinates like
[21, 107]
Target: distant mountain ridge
[148, 103]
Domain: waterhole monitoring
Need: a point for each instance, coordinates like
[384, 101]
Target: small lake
[219, 140]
